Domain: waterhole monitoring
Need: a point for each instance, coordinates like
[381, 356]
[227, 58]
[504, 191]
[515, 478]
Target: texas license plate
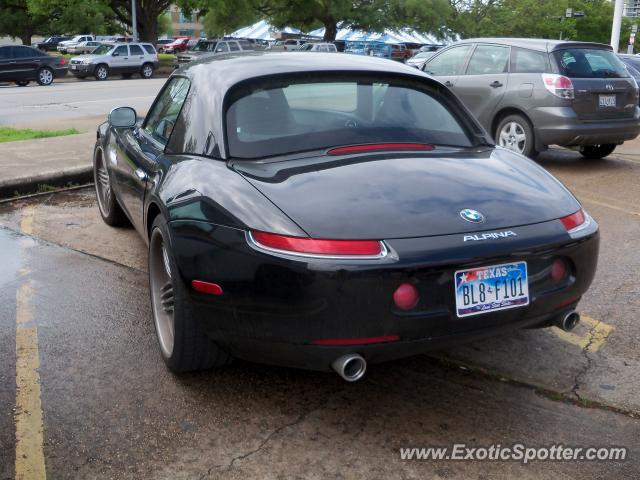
[607, 100]
[73, 67]
[488, 289]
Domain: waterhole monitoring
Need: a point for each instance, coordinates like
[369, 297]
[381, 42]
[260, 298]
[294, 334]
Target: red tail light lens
[559, 85]
[206, 287]
[62, 61]
[314, 246]
[574, 220]
[376, 147]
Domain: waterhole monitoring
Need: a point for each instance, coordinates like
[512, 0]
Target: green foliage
[535, 18]
[9, 134]
[164, 25]
[75, 16]
[17, 21]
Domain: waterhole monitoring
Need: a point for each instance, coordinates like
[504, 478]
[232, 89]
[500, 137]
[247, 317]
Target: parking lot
[76, 292]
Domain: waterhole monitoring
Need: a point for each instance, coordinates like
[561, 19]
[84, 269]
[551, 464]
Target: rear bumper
[561, 126]
[60, 71]
[275, 308]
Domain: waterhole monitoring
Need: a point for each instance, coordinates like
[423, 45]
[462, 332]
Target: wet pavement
[74, 291]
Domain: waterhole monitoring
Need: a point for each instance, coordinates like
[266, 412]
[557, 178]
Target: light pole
[617, 23]
[134, 21]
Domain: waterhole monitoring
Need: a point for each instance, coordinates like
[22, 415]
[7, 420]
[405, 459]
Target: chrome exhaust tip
[569, 321]
[350, 367]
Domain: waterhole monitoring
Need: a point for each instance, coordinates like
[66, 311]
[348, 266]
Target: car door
[6, 63]
[484, 82]
[136, 58]
[447, 65]
[139, 148]
[26, 62]
[119, 59]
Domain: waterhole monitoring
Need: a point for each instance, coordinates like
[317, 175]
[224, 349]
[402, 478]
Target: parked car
[325, 211]
[206, 48]
[161, 43]
[117, 39]
[121, 59]
[292, 44]
[632, 62]
[83, 47]
[178, 45]
[419, 59]
[318, 47]
[400, 52]
[532, 93]
[50, 44]
[63, 46]
[22, 64]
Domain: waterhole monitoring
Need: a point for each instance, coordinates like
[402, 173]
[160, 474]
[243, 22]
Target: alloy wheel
[102, 73]
[103, 186]
[162, 292]
[513, 137]
[147, 71]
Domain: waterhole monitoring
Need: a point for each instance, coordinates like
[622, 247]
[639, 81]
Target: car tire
[146, 71]
[45, 76]
[101, 72]
[596, 152]
[514, 132]
[108, 206]
[183, 342]
[22, 83]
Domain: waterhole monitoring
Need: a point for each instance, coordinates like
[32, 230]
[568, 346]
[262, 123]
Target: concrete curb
[59, 178]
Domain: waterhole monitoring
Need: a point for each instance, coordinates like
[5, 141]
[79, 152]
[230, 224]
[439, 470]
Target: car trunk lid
[397, 195]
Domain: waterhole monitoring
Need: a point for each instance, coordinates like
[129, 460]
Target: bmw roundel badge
[472, 216]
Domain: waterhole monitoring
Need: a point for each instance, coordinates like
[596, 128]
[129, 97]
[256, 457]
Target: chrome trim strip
[256, 245]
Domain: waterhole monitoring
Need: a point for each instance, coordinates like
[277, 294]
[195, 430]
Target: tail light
[575, 221]
[320, 247]
[559, 85]
[406, 296]
[62, 61]
[558, 270]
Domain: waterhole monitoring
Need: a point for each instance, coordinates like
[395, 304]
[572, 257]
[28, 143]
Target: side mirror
[115, 54]
[123, 117]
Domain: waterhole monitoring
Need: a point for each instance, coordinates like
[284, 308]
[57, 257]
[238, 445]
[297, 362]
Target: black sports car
[327, 211]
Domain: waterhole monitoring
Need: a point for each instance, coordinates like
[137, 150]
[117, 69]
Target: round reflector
[406, 296]
[558, 270]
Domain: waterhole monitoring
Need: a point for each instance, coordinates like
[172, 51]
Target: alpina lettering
[491, 235]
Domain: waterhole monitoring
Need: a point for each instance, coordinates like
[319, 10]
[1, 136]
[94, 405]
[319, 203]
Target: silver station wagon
[532, 93]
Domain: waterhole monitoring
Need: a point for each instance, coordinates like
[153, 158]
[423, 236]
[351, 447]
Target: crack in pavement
[583, 372]
[229, 465]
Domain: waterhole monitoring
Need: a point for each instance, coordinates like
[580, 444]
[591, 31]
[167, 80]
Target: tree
[147, 12]
[75, 16]
[17, 21]
[372, 15]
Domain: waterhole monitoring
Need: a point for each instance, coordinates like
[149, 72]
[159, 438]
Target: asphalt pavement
[62, 104]
[75, 328]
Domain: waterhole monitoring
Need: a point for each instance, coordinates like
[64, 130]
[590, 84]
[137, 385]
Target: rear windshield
[277, 119]
[589, 63]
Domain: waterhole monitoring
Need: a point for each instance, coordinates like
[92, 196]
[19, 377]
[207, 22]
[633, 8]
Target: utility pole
[134, 21]
[617, 23]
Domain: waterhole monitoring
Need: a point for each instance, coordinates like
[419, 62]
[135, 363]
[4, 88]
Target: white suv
[62, 46]
[122, 58]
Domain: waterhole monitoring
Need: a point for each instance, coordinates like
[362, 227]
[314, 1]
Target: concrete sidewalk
[28, 164]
